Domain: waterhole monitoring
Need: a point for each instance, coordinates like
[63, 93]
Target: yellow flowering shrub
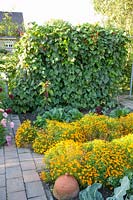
[40, 144]
[126, 124]
[94, 161]
[126, 143]
[106, 163]
[88, 128]
[56, 132]
[95, 127]
[25, 134]
[64, 157]
[63, 130]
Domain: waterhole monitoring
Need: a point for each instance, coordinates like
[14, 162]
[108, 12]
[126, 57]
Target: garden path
[126, 101]
[19, 178]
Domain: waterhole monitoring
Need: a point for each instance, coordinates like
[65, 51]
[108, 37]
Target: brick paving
[19, 179]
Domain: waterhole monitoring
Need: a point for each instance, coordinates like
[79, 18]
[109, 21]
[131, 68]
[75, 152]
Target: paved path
[19, 179]
[126, 101]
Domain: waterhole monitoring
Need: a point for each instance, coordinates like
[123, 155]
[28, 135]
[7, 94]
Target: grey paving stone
[39, 198]
[2, 181]
[126, 101]
[30, 176]
[10, 148]
[11, 132]
[1, 151]
[36, 155]
[12, 162]
[15, 130]
[35, 189]
[25, 157]
[2, 169]
[17, 196]
[38, 160]
[13, 172]
[17, 124]
[2, 160]
[39, 163]
[3, 193]
[11, 154]
[27, 165]
[15, 184]
[14, 117]
[23, 150]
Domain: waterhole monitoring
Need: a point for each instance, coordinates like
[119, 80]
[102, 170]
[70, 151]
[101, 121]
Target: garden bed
[85, 143]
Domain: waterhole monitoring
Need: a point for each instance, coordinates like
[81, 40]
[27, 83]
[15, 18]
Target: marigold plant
[64, 157]
[126, 124]
[88, 128]
[56, 132]
[26, 134]
[94, 161]
[106, 161]
[94, 126]
[40, 145]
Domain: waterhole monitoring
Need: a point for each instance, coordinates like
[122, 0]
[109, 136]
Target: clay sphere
[66, 187]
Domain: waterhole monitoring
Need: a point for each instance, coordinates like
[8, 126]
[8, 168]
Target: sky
[40, 11]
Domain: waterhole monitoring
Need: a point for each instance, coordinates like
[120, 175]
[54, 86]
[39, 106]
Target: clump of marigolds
[25, 135]
[90, 162]
[96, 148]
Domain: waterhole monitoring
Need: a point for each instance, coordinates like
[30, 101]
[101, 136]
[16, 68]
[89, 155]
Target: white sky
[74, 11]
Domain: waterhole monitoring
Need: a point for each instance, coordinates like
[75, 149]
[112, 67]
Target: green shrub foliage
[82, 63]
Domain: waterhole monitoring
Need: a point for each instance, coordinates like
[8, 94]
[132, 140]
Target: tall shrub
[82, 63]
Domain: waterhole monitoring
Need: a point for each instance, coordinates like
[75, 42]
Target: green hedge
[82, 63]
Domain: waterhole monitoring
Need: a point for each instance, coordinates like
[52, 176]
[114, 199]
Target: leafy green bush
[91, 192]
[2, 91]
[119, 112]
[27, 97]
[59, 114]
[83, 63]
[121, 192]
[2, 131]
[2, 136]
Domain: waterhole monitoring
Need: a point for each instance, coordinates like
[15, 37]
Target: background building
[11, 29]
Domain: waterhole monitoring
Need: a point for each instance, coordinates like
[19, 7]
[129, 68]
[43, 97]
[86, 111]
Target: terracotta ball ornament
[66, 187]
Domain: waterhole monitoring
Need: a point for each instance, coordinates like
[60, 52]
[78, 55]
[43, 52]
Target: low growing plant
[5, 125]
[120, 193]
[88, 128]
[126, 124]
[40, 145]
[96, 161]
[59, 114]
[55, 132]
[2, 133]
[25, 135]
[119, 112]
[91, 192]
